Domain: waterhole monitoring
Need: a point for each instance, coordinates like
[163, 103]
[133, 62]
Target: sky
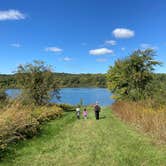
[79, 36]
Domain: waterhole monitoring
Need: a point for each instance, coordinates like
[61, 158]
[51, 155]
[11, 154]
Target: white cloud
[123, 33]
[17, 45]
[11, 15]
[110, 42]
[123, 48]
[146, 45]
[53, 49]
[101, 60]
[67, 59]
[100, 51]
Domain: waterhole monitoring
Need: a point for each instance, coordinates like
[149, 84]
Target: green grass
[71, 142]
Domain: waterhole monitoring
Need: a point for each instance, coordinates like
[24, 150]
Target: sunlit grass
[68, 141]
[149, 119]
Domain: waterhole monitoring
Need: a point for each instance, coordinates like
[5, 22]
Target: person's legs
[78, 116]
[97, 116]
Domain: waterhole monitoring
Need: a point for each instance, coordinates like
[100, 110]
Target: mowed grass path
[71, 142]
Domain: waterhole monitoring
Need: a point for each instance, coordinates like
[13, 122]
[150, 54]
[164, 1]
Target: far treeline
[63, 80]
[66, 80]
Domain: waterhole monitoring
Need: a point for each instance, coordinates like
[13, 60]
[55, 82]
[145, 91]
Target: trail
[71, 142]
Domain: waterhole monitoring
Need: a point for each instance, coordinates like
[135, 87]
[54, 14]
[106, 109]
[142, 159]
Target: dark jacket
[97, 108]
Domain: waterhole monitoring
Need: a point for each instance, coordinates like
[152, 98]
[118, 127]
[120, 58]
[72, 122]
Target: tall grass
[143, 115]
[20, 122]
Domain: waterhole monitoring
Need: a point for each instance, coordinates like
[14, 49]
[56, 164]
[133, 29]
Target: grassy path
[70, 142]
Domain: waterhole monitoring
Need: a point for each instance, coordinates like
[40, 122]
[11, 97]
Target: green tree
[129, 78]
[37, 82]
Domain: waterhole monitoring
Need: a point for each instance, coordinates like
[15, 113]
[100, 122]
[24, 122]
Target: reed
[144, 116]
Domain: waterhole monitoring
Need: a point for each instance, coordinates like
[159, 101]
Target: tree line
[63, 80]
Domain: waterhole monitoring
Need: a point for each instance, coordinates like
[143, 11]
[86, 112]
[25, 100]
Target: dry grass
[20, 122]
[143, 115]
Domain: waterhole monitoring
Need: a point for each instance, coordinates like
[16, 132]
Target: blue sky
[79, 36]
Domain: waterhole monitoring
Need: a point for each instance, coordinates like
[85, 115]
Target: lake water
[74, 95]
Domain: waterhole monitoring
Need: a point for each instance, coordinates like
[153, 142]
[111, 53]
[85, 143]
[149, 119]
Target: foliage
[63, 80]
[37, 82]
[8, 81]
[19, 122]
[129, 78]
[158, 86]
[47, 113]
[67, 107]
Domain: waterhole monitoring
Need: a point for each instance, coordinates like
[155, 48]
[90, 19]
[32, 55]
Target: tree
[129, 78]
[37, 82]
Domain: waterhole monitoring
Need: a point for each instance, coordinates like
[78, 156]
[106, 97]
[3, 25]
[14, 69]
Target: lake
[74, 95]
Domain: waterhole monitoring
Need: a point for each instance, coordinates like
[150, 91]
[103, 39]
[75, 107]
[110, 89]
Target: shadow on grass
[102, 117]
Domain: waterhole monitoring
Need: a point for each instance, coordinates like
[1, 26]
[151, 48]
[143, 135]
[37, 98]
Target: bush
[47, 113]
[19, 122]
[67, 107]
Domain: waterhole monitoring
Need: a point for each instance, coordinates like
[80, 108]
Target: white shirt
[78, 111]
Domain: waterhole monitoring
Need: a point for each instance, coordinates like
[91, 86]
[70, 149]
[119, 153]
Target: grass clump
[143, 115]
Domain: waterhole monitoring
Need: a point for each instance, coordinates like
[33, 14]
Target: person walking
[78, 112]
[97, 110]
[85, 113]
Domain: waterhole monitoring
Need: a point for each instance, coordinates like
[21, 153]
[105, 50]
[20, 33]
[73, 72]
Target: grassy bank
[18, 122]
[144, 116]
[68, 141]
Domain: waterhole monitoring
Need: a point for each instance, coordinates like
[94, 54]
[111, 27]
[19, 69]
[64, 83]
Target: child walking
[85, 113]
[78, 112]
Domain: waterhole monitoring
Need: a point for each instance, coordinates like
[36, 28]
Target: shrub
[19, 122]
[67, 107]
[47, 113]
[16, 124]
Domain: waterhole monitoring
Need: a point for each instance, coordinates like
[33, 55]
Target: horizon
[80, 37]
[74, 73]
